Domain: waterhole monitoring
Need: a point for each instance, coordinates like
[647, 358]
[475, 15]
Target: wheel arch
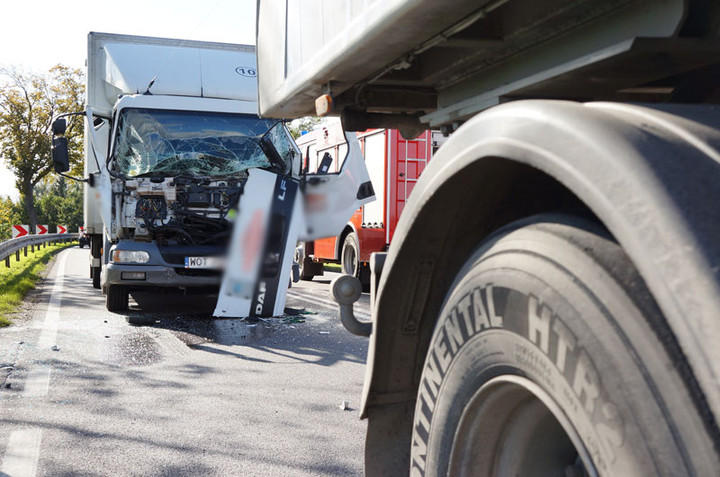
[644, 173]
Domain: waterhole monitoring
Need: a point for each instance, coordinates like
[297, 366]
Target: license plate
[204, 262]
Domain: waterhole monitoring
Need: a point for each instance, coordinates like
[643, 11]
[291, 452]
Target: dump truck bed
[445, 61]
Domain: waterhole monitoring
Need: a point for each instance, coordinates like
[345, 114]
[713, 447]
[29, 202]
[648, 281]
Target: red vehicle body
[394, 164]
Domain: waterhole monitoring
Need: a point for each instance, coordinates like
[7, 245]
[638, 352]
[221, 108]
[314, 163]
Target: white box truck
[550, 303]
[173, 144]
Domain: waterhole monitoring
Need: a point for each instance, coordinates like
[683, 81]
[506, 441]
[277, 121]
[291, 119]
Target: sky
[37, 34]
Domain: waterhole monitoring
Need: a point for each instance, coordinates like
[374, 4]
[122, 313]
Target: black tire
[117, 298]
[95, 275]
[302, 260]
[350, 255]
[546, 360]
[96, 246]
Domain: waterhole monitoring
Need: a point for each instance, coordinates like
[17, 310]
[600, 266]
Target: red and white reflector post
[20, 230]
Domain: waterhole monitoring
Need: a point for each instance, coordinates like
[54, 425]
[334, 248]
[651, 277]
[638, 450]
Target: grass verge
[21, 277]
[332, 267]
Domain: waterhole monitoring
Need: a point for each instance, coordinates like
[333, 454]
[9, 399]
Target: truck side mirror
[59, 126]
[60, 157]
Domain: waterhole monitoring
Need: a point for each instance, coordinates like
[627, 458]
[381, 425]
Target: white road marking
[52, 315]
[22, 453]
[37, 383]
[23, 450]
[314, 300]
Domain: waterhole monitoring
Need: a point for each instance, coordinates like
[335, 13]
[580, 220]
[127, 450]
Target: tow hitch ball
[346, 290]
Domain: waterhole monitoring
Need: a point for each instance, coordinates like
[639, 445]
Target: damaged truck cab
[176, 178]
[185, 180]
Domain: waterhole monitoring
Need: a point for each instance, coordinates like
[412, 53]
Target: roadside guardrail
[16, 245]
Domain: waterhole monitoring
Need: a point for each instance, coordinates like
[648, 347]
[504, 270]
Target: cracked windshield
[200, 143]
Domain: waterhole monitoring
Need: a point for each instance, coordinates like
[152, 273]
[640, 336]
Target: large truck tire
[95, 275]
[117, 298]
[550, 357]
[350, 263]
[350, 255]
[96, 245]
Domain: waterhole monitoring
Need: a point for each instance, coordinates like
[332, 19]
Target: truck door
[331, 199]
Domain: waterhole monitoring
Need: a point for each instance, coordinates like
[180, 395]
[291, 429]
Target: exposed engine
[180, 211]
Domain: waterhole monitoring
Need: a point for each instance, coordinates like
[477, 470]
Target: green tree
[10, 214]
[60, 203]
[28, 104]
[299, 125]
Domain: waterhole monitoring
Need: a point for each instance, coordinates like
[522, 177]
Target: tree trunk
[30, 204]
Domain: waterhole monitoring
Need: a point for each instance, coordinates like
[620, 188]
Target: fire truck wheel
[550, 357]
[350, 255]
[116, 298]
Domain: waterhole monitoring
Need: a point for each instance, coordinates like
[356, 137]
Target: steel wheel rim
[349, 256]
[512, 427]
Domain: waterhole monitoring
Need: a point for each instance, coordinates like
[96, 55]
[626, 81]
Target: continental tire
[117, 298]
[550, 357]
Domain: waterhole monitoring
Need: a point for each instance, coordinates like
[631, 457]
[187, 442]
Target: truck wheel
[550, 357]
[95, 275]
[300, 258]
[117, 298]
[350, 255]
[96, 245]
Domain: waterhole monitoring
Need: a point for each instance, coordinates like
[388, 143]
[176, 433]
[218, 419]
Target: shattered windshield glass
[151, 141]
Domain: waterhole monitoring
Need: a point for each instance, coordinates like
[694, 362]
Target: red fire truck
[394, 164]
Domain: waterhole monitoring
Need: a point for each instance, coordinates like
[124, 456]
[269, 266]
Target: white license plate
[204, 262]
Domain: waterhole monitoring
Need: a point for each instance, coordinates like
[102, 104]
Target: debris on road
[292, 319]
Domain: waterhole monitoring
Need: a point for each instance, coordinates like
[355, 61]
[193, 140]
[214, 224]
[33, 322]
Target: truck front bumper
[159, 276]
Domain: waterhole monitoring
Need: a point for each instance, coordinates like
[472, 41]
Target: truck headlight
[130, 256]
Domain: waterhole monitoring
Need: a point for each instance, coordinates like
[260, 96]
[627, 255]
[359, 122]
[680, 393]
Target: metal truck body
[553, 282]
[173, 144]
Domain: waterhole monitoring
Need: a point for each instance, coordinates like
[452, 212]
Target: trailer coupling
[346, 290]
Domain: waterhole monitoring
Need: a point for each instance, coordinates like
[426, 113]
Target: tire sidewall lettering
[520, 332]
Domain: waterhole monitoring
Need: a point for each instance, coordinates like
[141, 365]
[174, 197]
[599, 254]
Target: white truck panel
[121, 64]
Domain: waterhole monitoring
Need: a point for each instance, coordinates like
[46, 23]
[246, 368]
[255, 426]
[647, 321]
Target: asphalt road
[82, 392]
